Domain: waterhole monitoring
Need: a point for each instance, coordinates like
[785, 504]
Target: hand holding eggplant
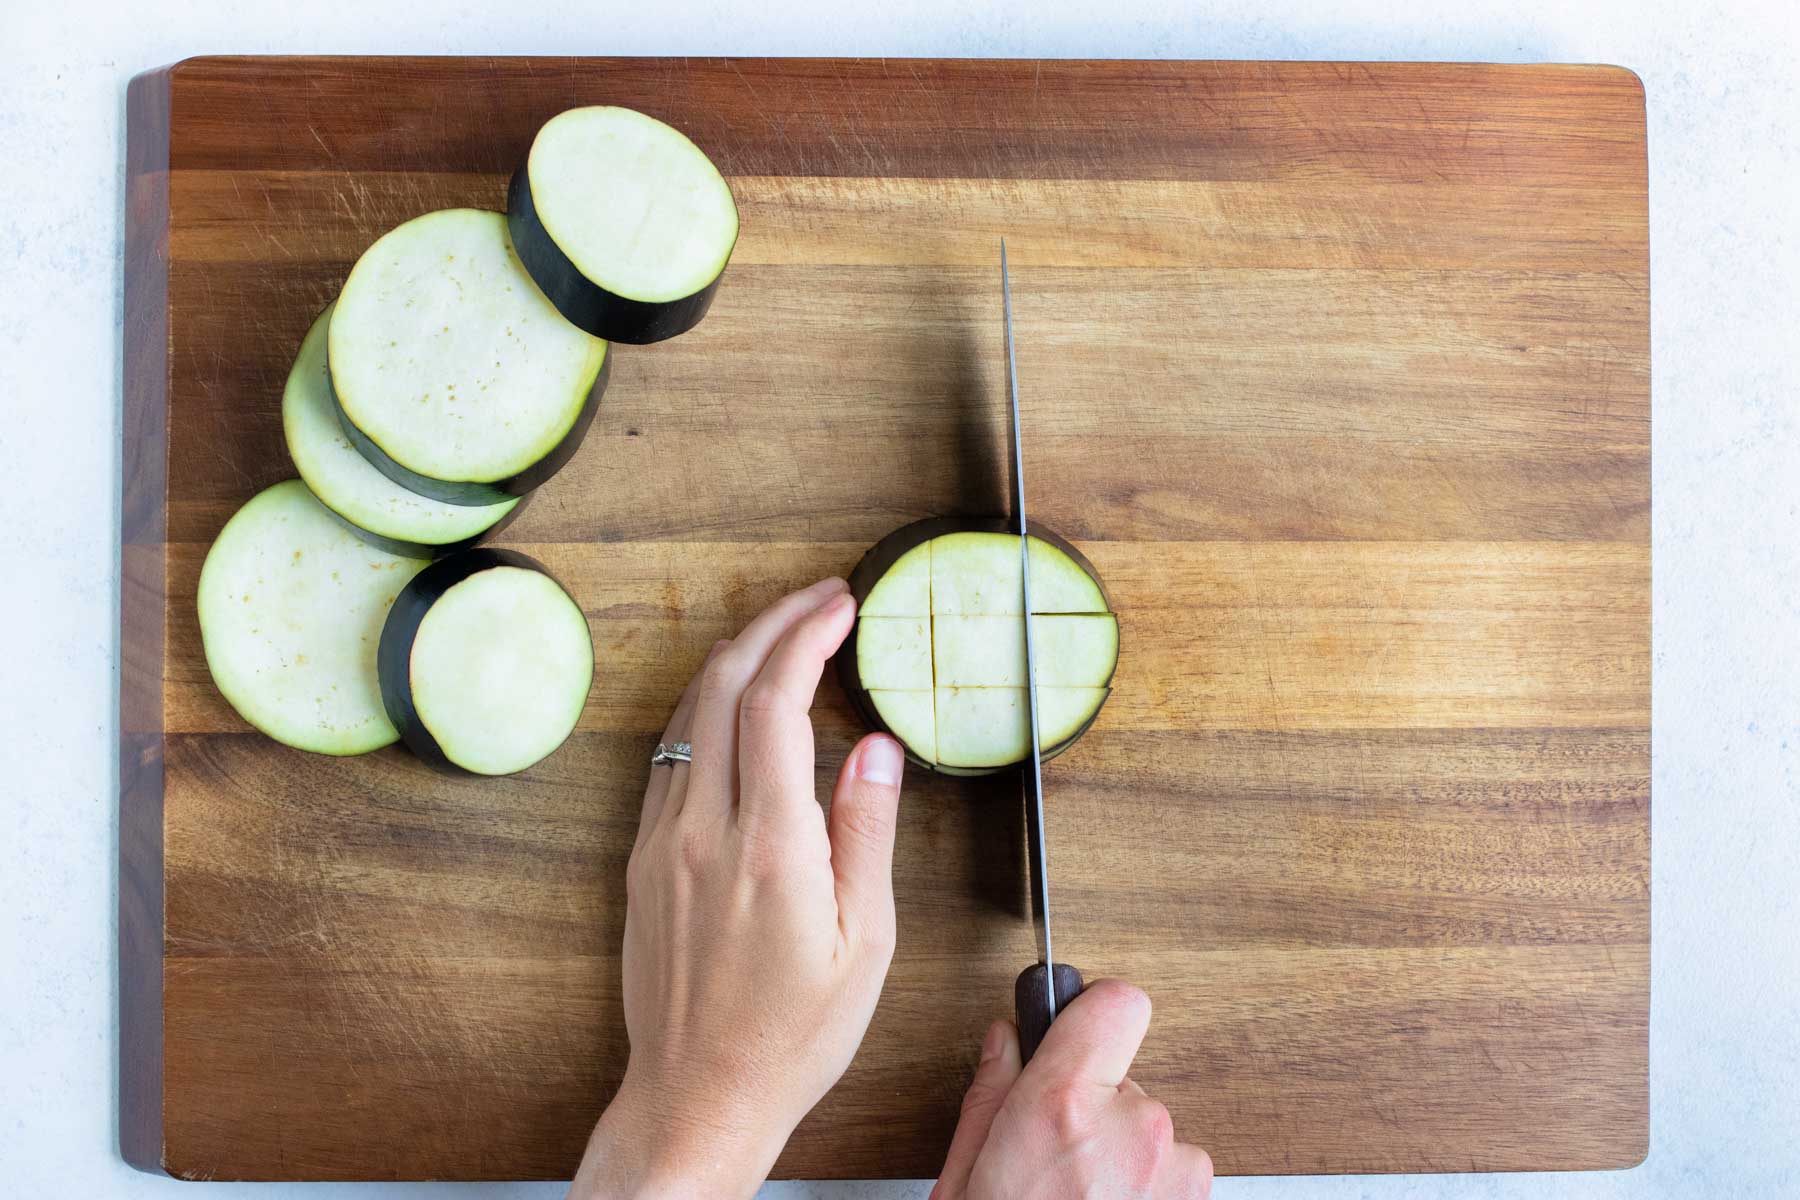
[758, 931]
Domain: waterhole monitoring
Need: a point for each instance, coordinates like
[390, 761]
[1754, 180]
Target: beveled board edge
[863, 115]
[143, 525]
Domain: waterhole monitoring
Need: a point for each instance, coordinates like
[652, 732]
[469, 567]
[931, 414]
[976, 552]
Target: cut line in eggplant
[485, 663]
[361, 498]
[624, 223]
[450, 371]
[899, 592]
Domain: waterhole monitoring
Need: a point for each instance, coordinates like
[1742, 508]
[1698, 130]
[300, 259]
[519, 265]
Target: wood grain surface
[1338, 372]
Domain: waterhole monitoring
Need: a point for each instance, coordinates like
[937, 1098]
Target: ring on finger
[669, 753]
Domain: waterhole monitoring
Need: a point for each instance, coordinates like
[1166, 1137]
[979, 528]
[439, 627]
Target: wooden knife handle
[1028, 1002]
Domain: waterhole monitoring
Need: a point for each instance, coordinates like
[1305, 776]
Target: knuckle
[762, 700]
[762, 857]
[718, 679]
[981, 1098]
[1149, 1138]
[878, 935]
[874, 942]
[1067, 1110]
[1156, 1129]
[1194, 1183]
[1200, 1176]
[695, 848]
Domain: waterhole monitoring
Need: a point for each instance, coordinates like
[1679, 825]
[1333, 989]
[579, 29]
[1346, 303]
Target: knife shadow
[997, 826]
[975, 401]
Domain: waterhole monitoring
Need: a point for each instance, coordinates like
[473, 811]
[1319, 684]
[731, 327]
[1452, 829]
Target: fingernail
[994, 1044]
[826, 591]
[881, 762]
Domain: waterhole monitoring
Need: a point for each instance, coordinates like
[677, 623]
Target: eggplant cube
[894, 653]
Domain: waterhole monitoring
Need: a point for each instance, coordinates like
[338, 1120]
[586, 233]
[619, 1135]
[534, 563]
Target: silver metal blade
[1032, 776]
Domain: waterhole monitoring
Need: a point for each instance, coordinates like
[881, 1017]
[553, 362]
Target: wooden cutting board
[1339, 372]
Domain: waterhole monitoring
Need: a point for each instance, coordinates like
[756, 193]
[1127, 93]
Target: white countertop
[1724, 167]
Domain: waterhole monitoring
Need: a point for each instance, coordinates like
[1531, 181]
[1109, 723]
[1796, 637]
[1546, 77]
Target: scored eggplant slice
[370, 505]
[451, 371]
[485, 663]
[937, 656]
[291, 608]
[625, 224]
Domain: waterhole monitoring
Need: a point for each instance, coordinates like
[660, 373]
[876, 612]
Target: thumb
[994, 1078]
[864, 808]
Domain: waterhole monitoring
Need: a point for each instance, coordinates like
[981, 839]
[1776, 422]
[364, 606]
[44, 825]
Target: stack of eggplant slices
[458, 370]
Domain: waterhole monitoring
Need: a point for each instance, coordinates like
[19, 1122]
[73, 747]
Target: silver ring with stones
[667, 755]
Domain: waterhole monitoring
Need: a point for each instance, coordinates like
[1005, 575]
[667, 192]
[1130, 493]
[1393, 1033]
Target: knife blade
[1043, 988]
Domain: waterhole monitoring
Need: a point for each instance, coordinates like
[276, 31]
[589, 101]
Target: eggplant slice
[291, 608]
[450, 370]
[937, 657]
[623, 222]
[485, 663]
[370, 505]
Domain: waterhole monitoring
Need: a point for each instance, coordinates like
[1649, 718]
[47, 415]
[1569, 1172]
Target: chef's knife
[1046, 986]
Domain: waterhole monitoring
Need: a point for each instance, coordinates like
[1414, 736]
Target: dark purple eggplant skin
[584, 303]
[393, 654]
[466, 492]
[429, 550]
[880, 559]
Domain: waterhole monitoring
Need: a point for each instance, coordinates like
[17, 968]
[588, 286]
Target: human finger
[678, 729]
[994, 1077]
[775, 733]
[714, 776]
[865, 809]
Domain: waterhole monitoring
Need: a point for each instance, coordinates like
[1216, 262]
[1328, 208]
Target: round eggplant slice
[625, 224]
[291, 607]
[485, 663]
[370, 505]
[450, 371]
[937, 656]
